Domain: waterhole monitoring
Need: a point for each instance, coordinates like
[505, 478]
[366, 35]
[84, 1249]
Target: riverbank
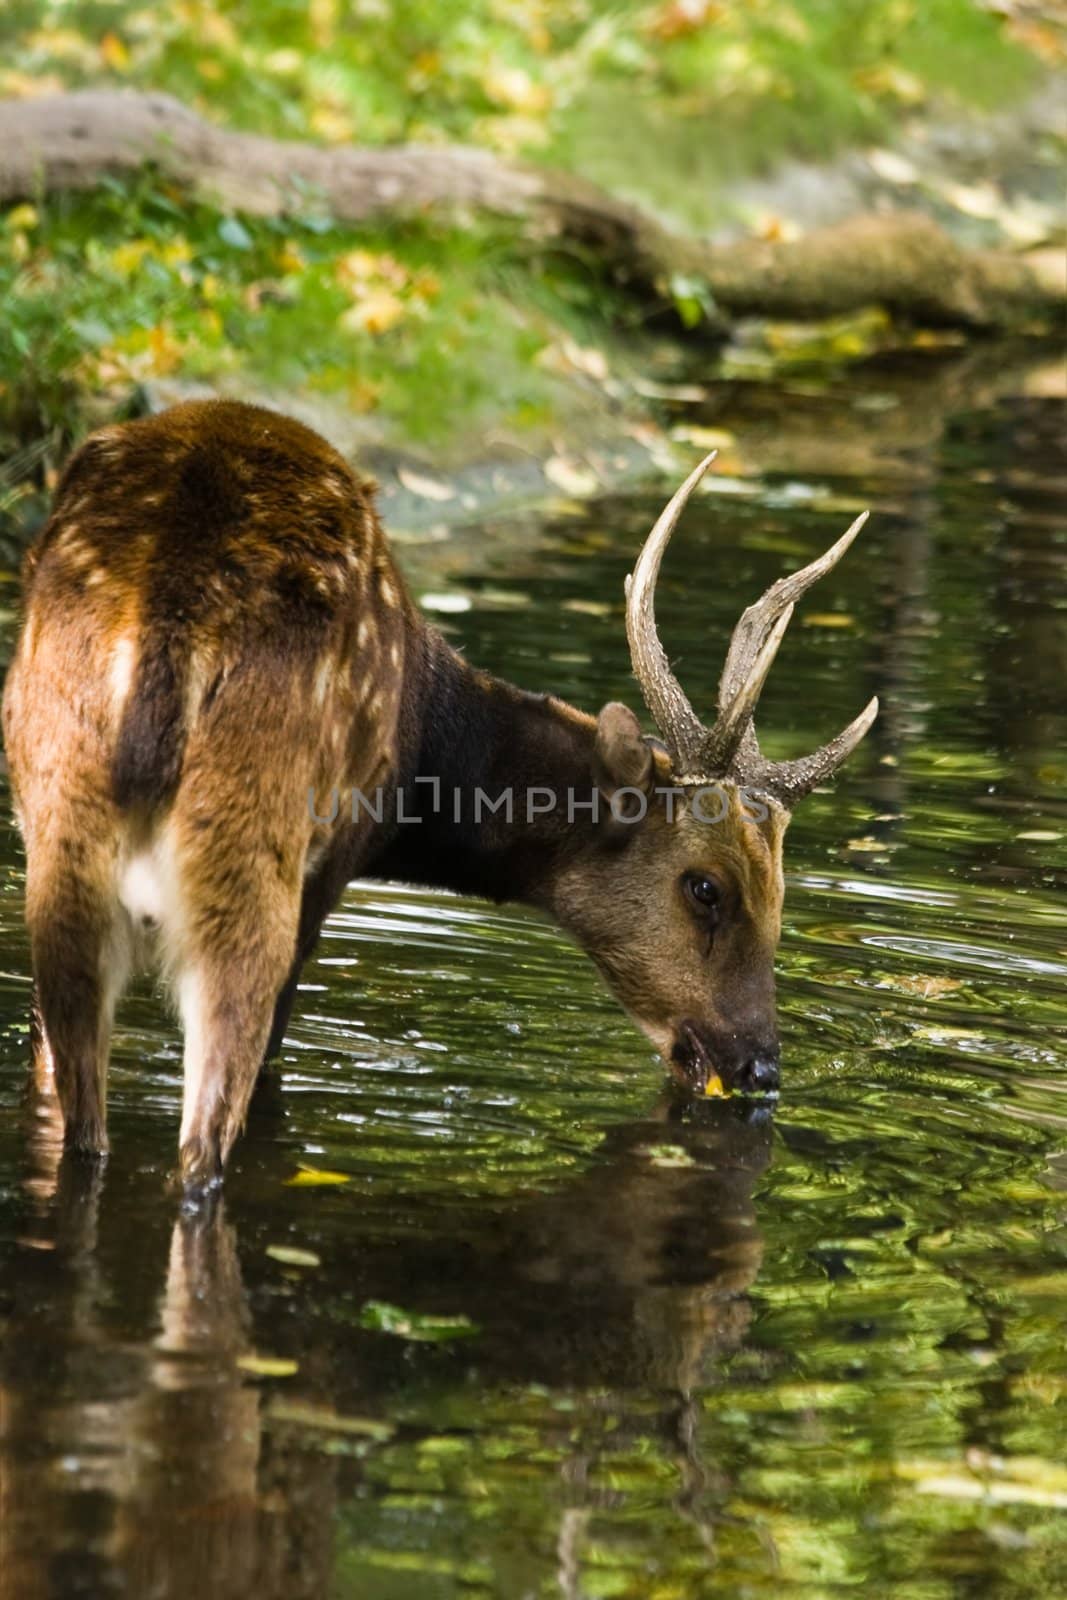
[458, 344]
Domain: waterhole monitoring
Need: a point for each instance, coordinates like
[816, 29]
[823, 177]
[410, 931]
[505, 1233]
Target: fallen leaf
[517, 91]
[381, 1317]
[315, 1178]
[951, 1487]
[268, 1366]
[376, 313]
[289, 1256]
[445, 603]
[425, 488]
[982, 200]
[925, 986]
[332, 124]
[571, 476]
[651, 390]
[828, 619]
[24, 216]
[714, 1089]
[704, 438]
[304, 1415]
[890, 166]
[114, 53]
[669, 1155]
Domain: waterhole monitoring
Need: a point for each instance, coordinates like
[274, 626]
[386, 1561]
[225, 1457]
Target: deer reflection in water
[145, 1461]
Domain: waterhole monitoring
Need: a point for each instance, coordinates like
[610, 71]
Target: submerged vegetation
[432, 329]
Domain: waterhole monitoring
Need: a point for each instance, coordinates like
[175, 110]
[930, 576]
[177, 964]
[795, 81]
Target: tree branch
[902, 260]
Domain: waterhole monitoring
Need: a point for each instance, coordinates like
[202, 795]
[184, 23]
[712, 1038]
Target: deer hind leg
[240, 906]
[80, 943]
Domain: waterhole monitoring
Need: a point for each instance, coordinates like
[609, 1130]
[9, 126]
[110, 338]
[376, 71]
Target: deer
[215, 639]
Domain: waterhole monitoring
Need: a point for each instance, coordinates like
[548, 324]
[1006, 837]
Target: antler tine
[683, 732]
[755, 624]
[724, 740]
[790, 781]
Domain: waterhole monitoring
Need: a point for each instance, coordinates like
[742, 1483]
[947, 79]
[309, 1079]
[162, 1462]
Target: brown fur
[213, 628]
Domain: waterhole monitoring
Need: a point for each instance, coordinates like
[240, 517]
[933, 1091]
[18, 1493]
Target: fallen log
[900, 260]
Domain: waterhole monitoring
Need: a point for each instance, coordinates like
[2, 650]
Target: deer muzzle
[699, 1054]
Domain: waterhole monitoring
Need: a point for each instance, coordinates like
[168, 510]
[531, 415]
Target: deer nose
[759, 1075]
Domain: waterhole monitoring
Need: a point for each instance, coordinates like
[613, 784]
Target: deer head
[684, 917]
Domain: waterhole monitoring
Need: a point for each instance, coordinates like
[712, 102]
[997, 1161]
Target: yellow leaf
[332, 125]
[176, 252]
[268, 1366]
[290, 1256]
[426, 284]
[316, 1178]
[714, 1088]
[284, 62]
[359, 269]
[376, 313]
[290, 257]
[517, 91]
[703, 438]
[164, 350]
[363, 394]
[828, 619]
[24, 216]
[114, 52]
[925, 986]
[127, 258]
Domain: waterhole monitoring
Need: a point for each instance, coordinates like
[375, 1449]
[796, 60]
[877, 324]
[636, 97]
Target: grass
[435, 330]
[426, 327]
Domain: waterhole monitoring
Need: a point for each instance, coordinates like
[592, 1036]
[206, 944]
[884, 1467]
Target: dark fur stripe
[148, 755]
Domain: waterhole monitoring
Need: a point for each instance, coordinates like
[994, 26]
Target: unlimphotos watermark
[708, 803]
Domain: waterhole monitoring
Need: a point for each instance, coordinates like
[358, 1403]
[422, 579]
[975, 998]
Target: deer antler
[730, 749]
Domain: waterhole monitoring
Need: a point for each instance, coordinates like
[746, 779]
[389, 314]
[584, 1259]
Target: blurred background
[725, 120]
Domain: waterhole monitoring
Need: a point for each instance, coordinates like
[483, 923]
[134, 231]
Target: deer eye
[702, 892]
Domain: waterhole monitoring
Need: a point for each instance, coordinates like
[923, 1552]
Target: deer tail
[147, 761]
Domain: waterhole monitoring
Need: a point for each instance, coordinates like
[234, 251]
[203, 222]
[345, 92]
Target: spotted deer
[215, 640]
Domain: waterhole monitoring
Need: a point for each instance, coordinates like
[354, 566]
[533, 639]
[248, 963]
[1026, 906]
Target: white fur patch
[141, 888]
[150, 893]
[193, 1009]
[121, 671]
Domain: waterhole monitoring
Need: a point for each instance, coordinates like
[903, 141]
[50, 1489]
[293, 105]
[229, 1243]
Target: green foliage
[149, 287]
[433, 324]
[725, 82]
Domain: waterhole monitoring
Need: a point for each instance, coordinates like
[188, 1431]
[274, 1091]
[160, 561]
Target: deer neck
[491, 782]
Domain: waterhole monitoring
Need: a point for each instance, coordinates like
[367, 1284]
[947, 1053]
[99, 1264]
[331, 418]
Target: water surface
[554, 1334]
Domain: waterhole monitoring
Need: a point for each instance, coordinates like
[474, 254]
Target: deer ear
[622, 759]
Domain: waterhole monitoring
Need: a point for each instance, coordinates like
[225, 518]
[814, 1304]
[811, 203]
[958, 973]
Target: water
[554, 1336]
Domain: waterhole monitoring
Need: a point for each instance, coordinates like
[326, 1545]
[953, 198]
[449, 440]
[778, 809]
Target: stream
[485, 1311]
